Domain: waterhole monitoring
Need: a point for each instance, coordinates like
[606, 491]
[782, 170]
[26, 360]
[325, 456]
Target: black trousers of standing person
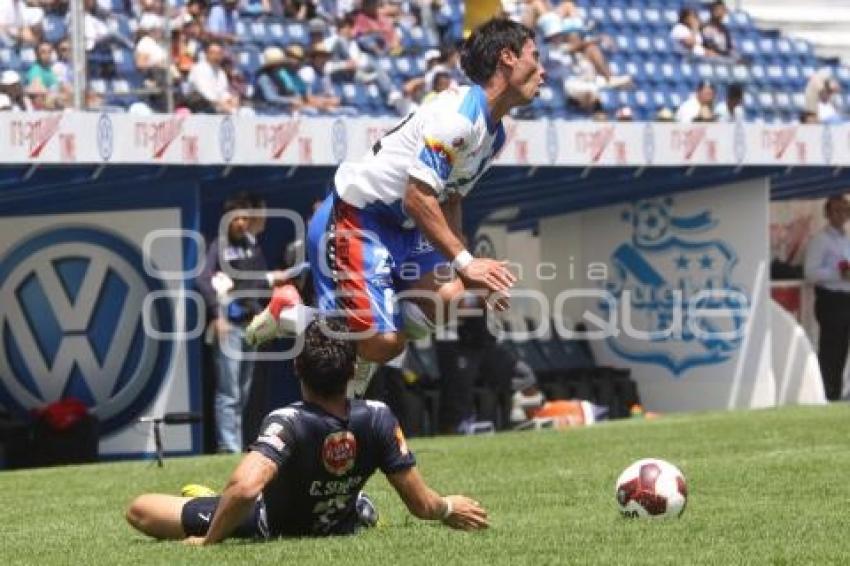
[832, 310]
[463, 367]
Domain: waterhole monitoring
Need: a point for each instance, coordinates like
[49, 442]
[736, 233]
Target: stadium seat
[275, 33]
[354, 94]
[124, 61]
[296, 33]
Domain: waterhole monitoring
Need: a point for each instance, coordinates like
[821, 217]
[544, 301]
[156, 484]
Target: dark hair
[830, 200]
[685, 12]
[239, 201]
[327, 361]
[735, 91]
[439, 75]
[481, 50]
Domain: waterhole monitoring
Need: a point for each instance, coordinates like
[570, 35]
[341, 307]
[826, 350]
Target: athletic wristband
[447, 512]
[462, 260]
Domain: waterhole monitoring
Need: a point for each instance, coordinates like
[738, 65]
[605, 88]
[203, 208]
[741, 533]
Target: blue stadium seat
[722, 74]
[643, 44]
[243, 31]
[758, 74]
[784, 101]
[552, 99]
[375, 99]
[776, 75]
[297, 33]
[661, 99]
[249, 61]
[634, 16]
[616, 16]
[766, 99]
[354, 94]
[9, 59]
[27, 56]
[803, 47]
[275, 33]
[749, 47]
[741, 73]
[740, 20]
[124, 60]
[258, 32]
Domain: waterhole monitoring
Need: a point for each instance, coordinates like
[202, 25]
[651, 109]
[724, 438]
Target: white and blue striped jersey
[448, 143]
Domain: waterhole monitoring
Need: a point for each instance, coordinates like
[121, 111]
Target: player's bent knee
[136, 513]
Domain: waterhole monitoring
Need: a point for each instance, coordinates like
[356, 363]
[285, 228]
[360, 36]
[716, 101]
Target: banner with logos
[94, 308]
[80, 137]
[679, 294]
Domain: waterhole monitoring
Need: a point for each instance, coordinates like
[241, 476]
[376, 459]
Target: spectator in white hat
[12, 92]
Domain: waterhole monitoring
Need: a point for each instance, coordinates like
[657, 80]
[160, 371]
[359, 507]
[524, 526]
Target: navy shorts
[198, 513]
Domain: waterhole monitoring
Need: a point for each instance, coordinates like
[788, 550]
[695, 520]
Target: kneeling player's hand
[467, 514]
[194, 541]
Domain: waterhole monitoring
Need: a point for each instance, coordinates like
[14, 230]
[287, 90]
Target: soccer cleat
[197, 490]
[367, 513]
[269, 324]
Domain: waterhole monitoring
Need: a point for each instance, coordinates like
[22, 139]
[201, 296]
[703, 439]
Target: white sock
[416, 324]
[294, 320]
[364, 370]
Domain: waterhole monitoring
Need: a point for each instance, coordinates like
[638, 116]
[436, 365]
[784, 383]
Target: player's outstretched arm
[239, 497]
[456, 511]
[422, 205]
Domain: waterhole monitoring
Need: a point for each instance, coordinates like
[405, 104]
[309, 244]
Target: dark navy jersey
[324, 461]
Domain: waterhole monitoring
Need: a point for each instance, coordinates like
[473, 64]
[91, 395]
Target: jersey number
[377, 147]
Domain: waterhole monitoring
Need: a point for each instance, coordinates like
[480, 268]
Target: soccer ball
[652, 488]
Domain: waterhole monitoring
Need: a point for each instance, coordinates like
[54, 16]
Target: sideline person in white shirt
[827, 266]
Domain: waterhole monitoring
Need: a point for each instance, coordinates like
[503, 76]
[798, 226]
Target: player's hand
[467, 514]
[194, 541]
[490, 274]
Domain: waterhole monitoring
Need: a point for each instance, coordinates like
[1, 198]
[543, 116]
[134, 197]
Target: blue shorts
[360, 258]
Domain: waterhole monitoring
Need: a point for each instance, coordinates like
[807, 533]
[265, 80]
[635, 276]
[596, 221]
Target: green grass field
[766, 487]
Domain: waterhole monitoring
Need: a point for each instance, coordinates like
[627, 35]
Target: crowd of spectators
[352, 56]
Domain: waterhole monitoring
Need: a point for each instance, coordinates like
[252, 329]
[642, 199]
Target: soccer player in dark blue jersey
[304, 473]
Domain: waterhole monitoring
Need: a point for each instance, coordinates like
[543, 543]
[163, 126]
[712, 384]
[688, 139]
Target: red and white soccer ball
[652, 488]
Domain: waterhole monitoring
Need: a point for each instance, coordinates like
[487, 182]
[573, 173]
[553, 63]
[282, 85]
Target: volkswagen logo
[71, 325]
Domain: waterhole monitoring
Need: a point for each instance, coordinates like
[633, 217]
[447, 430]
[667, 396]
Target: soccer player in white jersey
[395, 213]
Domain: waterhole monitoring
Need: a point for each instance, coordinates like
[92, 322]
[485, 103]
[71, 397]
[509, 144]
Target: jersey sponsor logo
[71, 325]
[339, 451]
